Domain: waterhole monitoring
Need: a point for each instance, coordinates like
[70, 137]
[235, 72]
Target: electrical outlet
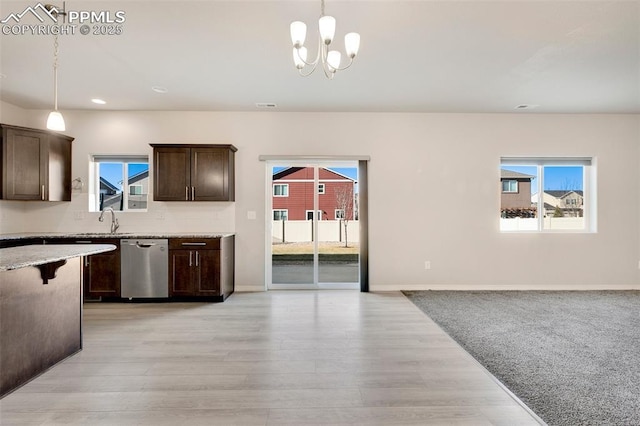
[160, 215]
[427, 264]
[78, 215]
[251, 215]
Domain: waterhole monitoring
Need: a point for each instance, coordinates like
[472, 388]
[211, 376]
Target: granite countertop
[119, 235]
[38, 254]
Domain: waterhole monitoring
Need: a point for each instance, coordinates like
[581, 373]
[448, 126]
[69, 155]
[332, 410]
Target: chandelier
[328, 59]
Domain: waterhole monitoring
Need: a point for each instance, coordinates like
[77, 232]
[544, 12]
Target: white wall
[449, 163]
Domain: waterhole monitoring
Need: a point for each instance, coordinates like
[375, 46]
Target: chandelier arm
[345, 67]
[314, 63]
[311, 70]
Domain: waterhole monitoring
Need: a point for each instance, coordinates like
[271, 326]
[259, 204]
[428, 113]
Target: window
[280, 215]
[553, 195]
[339, 214]
[321, 188]
[135, 189]
[281, 190]
[309, 214]
[509, 186]
[119, 182]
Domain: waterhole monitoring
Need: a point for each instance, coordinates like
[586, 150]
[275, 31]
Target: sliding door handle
[186, 193]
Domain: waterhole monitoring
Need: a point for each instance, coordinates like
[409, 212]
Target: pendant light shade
[56, 122]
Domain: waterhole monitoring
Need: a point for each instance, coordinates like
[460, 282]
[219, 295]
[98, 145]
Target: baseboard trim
[250, 289]
[522, 287]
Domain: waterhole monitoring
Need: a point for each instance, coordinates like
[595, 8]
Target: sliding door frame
[363, 210]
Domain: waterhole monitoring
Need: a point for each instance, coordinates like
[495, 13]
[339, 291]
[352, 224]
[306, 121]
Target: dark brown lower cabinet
[201, 267]
[100, 272]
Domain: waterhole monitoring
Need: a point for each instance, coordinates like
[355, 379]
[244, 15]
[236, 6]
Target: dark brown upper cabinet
[36, 164]
[193, 172]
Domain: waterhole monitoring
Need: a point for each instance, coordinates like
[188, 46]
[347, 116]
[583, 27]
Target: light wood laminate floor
[273, 358]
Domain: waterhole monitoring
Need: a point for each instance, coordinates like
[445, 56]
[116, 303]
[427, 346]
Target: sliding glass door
[313, 225]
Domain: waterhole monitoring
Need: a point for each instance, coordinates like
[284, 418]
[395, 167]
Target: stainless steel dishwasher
[144, 268]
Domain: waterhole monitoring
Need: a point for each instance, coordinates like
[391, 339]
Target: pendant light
[55, 121]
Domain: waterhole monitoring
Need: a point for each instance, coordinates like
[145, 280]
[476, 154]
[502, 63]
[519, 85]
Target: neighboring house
[137, 189]
[515, 197]
[109, 195]
[568, 203]
[293, 191]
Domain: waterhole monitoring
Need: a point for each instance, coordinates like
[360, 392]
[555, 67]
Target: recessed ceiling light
[98, 101]
[266, 105]
[527, 106]
[159, 89]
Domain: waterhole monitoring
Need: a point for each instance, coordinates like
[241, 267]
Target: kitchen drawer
[194, 244]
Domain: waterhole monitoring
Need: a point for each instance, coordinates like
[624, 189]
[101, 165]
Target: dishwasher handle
[144, 245]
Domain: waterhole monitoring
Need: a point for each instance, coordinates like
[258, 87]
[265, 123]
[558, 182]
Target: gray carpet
[572, 357]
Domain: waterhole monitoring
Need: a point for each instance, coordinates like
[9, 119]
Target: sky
[113, 172]
[555, 177]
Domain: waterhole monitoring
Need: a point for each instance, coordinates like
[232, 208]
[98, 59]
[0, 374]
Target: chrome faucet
[114, 221]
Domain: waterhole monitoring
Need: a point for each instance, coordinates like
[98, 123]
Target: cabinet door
[102, 274]
[59, 169]
[172, 174]
[210, 174]
[181, 272]
[208, 273]
[25, 157]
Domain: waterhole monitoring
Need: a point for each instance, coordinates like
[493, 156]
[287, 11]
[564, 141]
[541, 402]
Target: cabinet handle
[193, 193]
[186, 193]
[197, 258]
[42, 192]
[86, 261]
[190, 258]
[194, 244]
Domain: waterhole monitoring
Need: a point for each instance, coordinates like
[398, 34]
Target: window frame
[131, 186]
[125, 160]
[286, 213]
[589, 193]
[335, 214]
[321, 189]
[318, 214]
[283, 185]
[510, 191]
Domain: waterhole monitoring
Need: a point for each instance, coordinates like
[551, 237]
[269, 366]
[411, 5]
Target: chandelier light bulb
[298, 33]
[327, 26]
[299, 57]
[352, 44]
[333, 60]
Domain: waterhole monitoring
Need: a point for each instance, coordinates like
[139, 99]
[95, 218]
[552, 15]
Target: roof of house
[138, 176]
[510, 174]
[290, 170]
[108, 184]
[561, 193]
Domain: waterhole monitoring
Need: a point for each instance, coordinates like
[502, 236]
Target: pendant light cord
[55, 72]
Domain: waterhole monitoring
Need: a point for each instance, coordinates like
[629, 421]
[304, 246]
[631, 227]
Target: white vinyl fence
[297, 231]
[531, 224]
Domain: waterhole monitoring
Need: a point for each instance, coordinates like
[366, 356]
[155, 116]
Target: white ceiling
[416, 56]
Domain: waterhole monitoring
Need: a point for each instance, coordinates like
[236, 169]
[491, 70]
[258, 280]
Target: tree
[557, 212]
[344, 202]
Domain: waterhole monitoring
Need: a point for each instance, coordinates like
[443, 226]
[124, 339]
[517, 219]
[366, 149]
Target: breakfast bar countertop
[40, 254]
[118, 235]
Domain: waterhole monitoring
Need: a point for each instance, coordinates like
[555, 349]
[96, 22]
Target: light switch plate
[251, 215]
